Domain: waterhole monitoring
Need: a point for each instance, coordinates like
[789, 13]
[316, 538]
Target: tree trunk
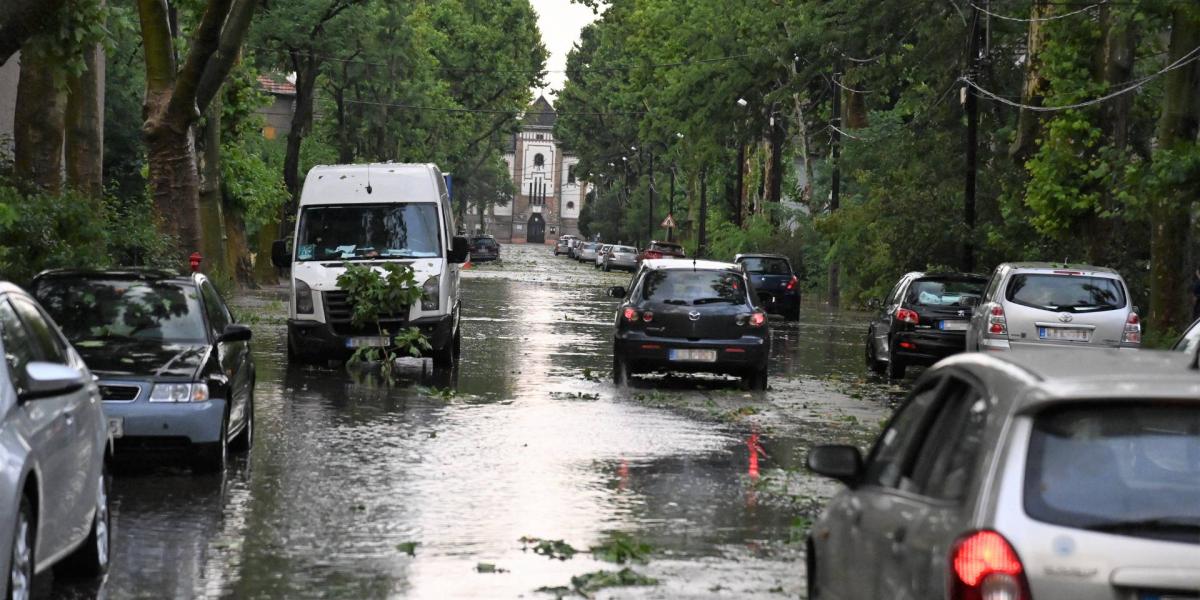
[175, 185]
[40, 122]
[1170, 213]
[85, 125]
[1029, 122]
[775, 166]
[306, 75]
[21, 19]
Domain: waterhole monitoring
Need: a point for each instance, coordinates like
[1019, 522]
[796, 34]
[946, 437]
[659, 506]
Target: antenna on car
[368, 177]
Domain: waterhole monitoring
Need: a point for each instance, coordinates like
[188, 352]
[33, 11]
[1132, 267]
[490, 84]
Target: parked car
[923, 320]
[1031, 306]
[563, 245]
[401, 215]
[573, 247]
[693, 316]
[621, 257]
[587, 251]
[484, 248]
[175, 368]
[657, 250]
[54, 487]
[774, 282]
[1021, 475]
[1190, 340]
[602, 254]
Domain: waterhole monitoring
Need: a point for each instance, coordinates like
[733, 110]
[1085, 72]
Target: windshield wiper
[675, 301]
[714, 300]
[1155, 523]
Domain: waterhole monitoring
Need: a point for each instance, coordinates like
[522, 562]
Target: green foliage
[373, 295]
[554, 549]
[590, 583]
[622, 548]
[252, 178]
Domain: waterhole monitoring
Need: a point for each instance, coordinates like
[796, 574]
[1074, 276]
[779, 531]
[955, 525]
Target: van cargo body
[374, 215]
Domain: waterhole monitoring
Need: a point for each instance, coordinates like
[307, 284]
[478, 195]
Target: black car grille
[119, 393]
[339, 311]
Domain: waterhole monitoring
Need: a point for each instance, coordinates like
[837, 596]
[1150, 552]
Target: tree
[22, 19]
[176, 96]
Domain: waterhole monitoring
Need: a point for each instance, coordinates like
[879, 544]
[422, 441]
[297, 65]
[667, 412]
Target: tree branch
[21, 19]
[227, 52]
[205, 41]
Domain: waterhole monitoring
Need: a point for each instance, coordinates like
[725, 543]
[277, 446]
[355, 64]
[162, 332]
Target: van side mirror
[843, 463]
[616, 291]
[460, 249]
[47, 379]
[280, 257]
[234, 332]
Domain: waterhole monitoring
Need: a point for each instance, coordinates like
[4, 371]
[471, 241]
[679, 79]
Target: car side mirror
[280, 257]
[460, 249]
[234, 332]
[874, 303]
[45, 379]
[843, 463]
[616, 291]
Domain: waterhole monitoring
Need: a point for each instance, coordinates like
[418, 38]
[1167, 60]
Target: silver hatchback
[621, 257]
[1019, 476]
[1030, 306]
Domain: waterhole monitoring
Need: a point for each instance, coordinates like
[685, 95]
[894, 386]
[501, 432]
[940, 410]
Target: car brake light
[907, 316]
[1133, 330]
[647, 316]
[997, 324]
[757, 319]
[631, 314]
[985, 567]
[792, 283]
[1068, 272]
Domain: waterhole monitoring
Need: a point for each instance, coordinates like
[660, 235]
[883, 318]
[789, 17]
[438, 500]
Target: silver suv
[1021, 476]
[1040, 305]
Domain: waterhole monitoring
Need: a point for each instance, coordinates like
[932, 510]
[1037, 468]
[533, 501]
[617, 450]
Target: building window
[539, 136]
[570, 206]
[571, 174]
[539, 160]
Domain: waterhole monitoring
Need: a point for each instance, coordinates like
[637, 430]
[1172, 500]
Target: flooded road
[426, 487]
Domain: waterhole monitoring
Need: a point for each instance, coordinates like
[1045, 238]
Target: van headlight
[304, 300]
[431, 294]
[179, 392]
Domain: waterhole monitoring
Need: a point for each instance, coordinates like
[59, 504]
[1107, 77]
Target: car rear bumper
[927, 347]
[647, 353]
[316, 339]
[778, 303]
[484, 256]
[187, 422]
[1039, 346]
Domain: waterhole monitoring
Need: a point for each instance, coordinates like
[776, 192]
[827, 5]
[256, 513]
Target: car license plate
[116, 427]
[1063, 333]
[952, 325]
[367, 342]
[694, 355]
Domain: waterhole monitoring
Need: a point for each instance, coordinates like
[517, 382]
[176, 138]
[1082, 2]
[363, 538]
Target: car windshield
[1123, 468]
[1067, 293]
[693, 287]
[484, 243]
[98, 311]
[943, 291]
[1190, 341]
[766, 266]
[361, 232]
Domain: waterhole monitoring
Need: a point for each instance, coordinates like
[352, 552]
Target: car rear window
[676, 248]
[624, 249]
[109, 311]
[1125, 468]
[766, 266]
[485, 242]
[943, 291]
[693, 287]
[1066, 293]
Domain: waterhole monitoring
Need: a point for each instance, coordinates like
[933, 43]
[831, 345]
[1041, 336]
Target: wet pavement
[361, 489]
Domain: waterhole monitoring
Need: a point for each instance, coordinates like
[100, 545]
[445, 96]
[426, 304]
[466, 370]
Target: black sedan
[690, 316]
[775, 283]
[484, 248]
[176, 372]
[923, 320]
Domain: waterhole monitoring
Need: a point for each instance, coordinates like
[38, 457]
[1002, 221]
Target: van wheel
[445, 356]
[20, 562]
[92, 558]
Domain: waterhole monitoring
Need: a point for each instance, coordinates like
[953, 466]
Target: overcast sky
[560, 22]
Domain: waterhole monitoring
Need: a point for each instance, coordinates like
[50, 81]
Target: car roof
[390, 183]
[662, 243]
[1045, 266]
[7, 287]
[1056, 376]
[934, 274]
[684, 264]
[149, 274]
[759, 255]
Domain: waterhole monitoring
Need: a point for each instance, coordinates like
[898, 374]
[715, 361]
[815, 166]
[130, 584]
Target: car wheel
[810, 560]
[607, 268]
[92, 558]
[213, 458]
[620, 371]
[794, 314]
[873, 363]
[895, 368]
[756, 380]
[245, 439]
[20, 564]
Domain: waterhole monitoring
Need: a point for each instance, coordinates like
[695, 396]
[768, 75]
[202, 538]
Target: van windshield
[364, 232]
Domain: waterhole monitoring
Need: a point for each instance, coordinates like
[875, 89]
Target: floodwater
[360, 489]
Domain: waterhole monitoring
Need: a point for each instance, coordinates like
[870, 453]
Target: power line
[1037, 19]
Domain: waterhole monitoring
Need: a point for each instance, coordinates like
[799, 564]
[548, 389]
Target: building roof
[270, 85]
[540, 114]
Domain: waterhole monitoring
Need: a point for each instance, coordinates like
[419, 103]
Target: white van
[372, 214]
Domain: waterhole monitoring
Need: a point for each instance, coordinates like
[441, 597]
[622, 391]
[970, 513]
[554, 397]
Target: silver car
[1021, 476]
[1030, 306]
[621, 257]
[586, 251]
[53, 444]
[601, 254]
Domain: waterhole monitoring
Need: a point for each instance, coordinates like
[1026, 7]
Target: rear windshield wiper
[675, 301]
[1156, 524]
[713, 300]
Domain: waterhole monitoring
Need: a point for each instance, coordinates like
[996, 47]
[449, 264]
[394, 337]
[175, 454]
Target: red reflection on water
[623, 474]
[755, 450]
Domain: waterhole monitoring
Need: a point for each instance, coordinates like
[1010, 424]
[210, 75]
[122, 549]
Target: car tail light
[631, 314]
[907, 316]
[647, 316]
[1133, 330]
[983, 566]
[757, 319]
[652, 254]
[792, 283]
[997, 324]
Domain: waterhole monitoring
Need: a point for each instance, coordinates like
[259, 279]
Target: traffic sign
[669, 222]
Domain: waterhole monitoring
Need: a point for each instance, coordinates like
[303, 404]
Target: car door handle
[897, 538]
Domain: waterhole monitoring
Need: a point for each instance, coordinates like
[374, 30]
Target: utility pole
[971, 105]
[671, 206]
[835, 292]
[702, 242]
[650, 211]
